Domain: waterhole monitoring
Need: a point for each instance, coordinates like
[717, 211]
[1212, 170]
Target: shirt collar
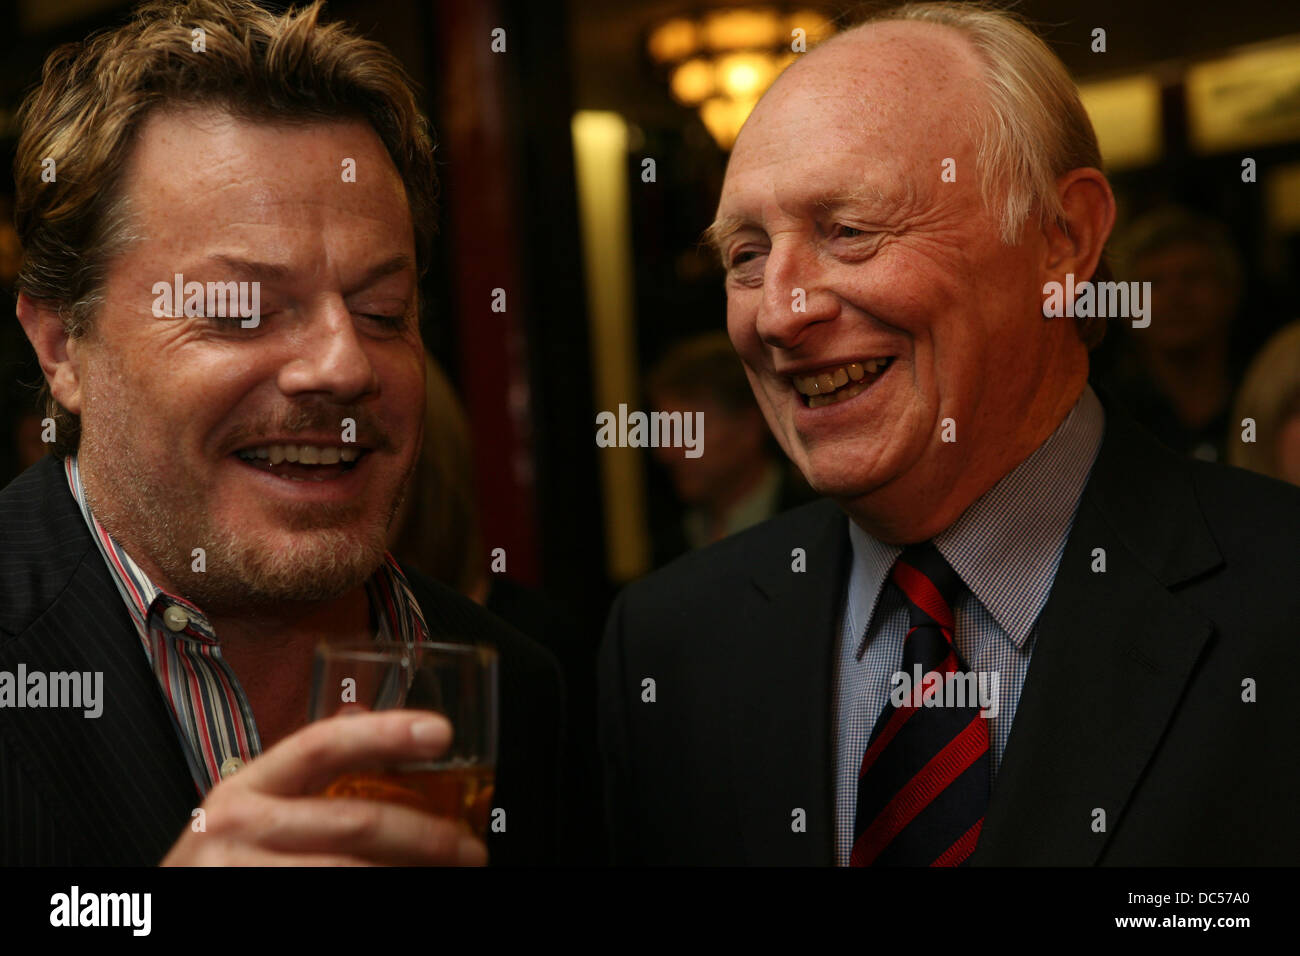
[143, 598]
[1006, 546]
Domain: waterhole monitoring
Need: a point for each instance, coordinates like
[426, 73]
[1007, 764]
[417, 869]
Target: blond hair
[1269, 394]
[95, 94]
[1034, 128]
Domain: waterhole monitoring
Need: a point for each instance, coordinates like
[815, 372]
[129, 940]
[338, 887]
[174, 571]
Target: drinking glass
[458, 681]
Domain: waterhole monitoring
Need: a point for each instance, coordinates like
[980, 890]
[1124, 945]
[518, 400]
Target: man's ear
[1089, 208]
[57, 352]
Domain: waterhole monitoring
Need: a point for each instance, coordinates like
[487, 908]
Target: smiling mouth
[839, 383]
[302, 462]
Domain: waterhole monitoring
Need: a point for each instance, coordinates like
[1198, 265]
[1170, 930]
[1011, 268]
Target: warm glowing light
[745, 75]
[600, 158]
[1125, 115]
[724, 118]
[1247, 98]
[672, 41]
[692, 82]
[724, 60]
[741, 29]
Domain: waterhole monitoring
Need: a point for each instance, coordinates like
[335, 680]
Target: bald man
[1020, 631]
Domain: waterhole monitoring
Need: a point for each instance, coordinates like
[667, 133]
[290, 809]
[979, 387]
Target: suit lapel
[779, 697]
[117, 785]
[1114, 652]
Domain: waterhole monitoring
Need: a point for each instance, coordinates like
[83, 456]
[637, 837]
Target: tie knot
[929, 584]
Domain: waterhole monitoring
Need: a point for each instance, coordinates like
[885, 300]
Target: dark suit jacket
[1132, 703]
[116, 790]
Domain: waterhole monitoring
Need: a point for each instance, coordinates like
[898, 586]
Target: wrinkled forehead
[899, 93]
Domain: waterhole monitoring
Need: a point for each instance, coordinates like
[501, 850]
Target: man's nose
[331, 355]
[795, 296]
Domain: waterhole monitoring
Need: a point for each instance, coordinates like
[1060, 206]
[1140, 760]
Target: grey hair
[1034, 129]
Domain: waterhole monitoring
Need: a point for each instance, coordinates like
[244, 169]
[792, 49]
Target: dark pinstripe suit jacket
[116, 790]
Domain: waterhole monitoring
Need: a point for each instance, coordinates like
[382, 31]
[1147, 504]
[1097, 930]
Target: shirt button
[230, 767]
[175, 618]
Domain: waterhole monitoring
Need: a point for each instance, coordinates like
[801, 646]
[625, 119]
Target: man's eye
[740, 258]
[229, 321]
[388, 321]
[847, 232]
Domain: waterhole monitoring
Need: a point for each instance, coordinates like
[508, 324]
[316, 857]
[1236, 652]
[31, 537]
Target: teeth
[303, 454]
[821, 384]
[844, 394]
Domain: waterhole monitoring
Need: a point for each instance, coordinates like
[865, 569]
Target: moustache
[314, 420]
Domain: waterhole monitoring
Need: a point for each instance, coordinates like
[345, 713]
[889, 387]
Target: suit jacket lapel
[1114, 651]
[117, 784]
[779, 700]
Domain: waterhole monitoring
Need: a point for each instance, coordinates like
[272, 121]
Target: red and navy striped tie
[923, 784]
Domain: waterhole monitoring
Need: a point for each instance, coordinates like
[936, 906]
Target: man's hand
[270, 814]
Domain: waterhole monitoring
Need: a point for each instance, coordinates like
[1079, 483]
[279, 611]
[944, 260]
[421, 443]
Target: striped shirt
[210, 711]
[1005, 548]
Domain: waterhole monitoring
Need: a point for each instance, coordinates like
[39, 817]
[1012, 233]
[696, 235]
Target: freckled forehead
[890, 97]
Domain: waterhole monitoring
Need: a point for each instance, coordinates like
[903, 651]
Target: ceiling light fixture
[720, 62]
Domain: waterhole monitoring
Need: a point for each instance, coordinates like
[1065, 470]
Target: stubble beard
[162, 521]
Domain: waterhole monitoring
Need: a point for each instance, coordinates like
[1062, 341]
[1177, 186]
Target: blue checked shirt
[1006, 548]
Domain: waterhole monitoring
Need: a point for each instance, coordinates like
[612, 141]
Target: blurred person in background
[1177, 376]
[1270, 394]
[436, 530]
[742, 478]
[439, 533]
